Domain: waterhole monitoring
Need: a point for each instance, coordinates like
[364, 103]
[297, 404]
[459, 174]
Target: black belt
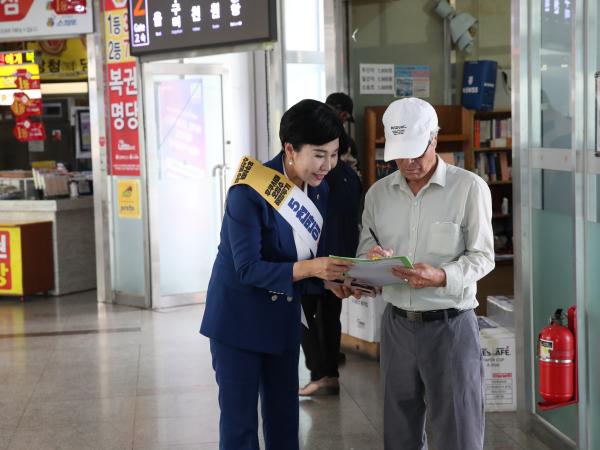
[427, 316]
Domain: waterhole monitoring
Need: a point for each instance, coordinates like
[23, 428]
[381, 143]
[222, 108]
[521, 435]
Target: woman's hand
[324, 268]
[377, 252]
[342, 291]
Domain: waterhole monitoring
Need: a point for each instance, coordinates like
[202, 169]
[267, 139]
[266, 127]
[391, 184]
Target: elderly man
[440, 217]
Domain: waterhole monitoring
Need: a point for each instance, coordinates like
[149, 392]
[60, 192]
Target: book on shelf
[492, 133]
[493, 166]
[454, 158]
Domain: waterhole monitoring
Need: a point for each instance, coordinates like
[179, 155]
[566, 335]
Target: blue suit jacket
[252, 302]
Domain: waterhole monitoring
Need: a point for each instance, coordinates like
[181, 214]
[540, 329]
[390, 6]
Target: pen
[375, 237]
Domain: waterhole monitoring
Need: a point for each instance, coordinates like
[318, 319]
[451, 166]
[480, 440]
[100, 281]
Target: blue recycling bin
[479, 85]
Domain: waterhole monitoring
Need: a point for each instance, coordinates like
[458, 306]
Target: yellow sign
[117, 36]
[62, 59]
[11, 275]
[129, 199]
[8, 78]
[16, 58]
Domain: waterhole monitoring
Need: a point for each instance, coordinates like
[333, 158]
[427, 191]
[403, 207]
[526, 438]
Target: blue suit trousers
[243, 376]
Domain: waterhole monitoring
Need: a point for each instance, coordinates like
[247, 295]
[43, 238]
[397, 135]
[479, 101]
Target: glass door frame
[528, 156]
[149, 71]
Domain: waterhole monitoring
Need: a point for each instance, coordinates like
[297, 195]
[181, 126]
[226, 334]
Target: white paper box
[364, 318]
[498, 351]
[344, 316]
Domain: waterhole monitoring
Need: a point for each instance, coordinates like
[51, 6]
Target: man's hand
[422, 276]
[377, 252]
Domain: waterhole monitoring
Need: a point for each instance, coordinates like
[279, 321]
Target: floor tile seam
[135, 403]
[31, 395]
[371, 424]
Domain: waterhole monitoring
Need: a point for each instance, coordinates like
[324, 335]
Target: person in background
[342, 103]
[265, 257]
[439, 216]
[321, 340]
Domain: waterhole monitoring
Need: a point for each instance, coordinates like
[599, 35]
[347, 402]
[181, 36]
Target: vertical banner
[122, 92]
[11, 279]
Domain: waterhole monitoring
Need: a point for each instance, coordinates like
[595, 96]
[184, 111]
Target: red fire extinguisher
[556, 349]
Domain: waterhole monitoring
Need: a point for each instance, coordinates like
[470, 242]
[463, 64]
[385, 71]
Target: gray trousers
[432, 368]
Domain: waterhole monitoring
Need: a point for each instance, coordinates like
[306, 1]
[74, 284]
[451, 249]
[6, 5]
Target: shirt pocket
[444, 239]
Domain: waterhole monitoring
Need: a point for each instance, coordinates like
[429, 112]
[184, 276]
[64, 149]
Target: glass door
[185, 132]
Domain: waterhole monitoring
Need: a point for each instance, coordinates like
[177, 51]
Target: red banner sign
[124, 133]
[24, 106]
[68, 6]
[14, 10]
[25, 81]
[27, 130]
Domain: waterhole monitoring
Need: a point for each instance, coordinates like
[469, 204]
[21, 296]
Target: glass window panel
[305, 81]
[304, 25]
[555, 63]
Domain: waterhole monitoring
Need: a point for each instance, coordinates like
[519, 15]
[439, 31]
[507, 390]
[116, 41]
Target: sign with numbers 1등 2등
[165, 25]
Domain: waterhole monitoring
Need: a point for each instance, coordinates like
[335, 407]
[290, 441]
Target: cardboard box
[500, 309]
[364, 318]
[499, 353]
[344, 315]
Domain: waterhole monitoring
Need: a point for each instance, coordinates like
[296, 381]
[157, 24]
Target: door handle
[220, 171]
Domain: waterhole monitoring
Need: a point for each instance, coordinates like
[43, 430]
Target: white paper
[377, 272]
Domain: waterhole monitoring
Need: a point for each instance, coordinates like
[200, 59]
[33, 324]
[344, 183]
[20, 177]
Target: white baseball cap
[408, 124]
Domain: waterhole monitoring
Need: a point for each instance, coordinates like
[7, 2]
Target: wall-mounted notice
[411, 81]
[377, 79]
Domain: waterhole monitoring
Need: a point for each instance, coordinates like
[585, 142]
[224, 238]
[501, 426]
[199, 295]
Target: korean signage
[30, 19]
[11, 280]
[61, 59]
[163, 25]
[122, 92]
[377, 79]
[128, 199]
[10, 73]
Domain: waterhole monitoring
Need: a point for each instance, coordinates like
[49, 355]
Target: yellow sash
[288, 199]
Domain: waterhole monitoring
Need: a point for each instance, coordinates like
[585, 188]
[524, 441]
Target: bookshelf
[492, 155]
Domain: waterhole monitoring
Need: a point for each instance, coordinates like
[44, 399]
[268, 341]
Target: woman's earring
[290, 163]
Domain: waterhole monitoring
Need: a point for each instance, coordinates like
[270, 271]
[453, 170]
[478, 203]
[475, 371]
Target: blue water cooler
[479, 85]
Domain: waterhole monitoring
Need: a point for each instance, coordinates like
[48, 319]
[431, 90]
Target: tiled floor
[78, 375]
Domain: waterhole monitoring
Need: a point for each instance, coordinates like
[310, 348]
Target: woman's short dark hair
[309, 122]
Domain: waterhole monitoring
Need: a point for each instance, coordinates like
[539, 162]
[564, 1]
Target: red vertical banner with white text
[122, 92]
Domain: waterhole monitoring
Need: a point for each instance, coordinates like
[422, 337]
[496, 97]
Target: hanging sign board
[31, 19]
[61, 59]
[9, 74]
[27, 130]
[164, 25]
[122, 92]
[24, 106]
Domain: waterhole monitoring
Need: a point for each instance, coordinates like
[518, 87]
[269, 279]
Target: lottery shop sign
[122, 87]
[31, 19]
[11, 277]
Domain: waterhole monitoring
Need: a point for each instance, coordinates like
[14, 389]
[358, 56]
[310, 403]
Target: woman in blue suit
[253, 313]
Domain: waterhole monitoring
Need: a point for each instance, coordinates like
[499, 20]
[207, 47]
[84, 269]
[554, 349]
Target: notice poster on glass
[411, 81]
[181, 134]
[376, 79]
